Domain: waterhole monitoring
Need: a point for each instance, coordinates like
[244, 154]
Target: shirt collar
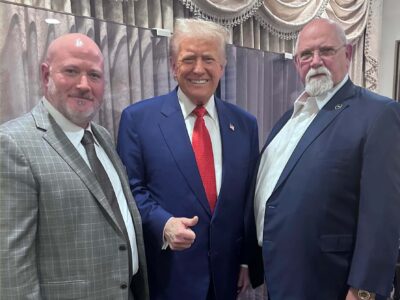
[320, 100]
[71, 130]
[188, 106]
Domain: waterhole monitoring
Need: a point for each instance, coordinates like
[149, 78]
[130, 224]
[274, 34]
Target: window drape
[269, 25]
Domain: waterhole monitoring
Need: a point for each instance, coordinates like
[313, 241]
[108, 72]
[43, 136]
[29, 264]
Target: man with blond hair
[189, 157]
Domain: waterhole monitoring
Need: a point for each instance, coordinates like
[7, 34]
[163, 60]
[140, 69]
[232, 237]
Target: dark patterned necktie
[105, 183]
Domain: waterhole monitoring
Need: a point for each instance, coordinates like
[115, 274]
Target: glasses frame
[330, 52]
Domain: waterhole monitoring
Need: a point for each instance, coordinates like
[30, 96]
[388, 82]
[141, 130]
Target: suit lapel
[325, 117]
[227, 130]
[121, 171]
[61, 144]
[173, 128]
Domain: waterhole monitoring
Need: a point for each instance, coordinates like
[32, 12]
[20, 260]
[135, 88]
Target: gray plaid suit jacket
[58, 236]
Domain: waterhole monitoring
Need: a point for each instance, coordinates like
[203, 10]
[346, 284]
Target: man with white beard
[327, 185]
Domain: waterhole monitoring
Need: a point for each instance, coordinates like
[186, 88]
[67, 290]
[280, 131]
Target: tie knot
[199, 111]
[87, 138]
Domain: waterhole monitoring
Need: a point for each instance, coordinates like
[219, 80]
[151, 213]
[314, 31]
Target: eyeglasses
[323, 52]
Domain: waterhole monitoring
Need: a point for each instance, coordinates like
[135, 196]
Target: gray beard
[317, 87]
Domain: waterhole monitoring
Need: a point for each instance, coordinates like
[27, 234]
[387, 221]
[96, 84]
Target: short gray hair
[339, 31]
[197, 28]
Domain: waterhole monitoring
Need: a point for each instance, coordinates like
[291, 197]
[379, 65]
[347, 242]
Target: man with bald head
[327, 189]
[69, 227]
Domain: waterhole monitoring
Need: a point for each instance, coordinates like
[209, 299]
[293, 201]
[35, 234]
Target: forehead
[74, 47]
[80, 57]
[196, 45]
[317, 35]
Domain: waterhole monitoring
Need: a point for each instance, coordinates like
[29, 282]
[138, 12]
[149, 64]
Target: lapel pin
[338, 106]
[231, 127]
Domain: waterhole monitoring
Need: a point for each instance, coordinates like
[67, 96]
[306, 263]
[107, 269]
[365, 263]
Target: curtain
[136, 66]
[265, 84]
[269, 25]
[136, 61]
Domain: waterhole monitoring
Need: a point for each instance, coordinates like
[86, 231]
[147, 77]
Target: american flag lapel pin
[231, 127]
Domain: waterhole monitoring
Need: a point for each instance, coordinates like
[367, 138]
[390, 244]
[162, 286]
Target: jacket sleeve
[378, 227]
[18, 223]
[129, 149]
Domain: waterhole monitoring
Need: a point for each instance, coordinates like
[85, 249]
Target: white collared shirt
[75, 134]
[280, 149]
[212, 124]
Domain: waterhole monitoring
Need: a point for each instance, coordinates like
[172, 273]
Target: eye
[327, 51]
[188, 60]
[306, 55]
[95, 76]
[209, 60]
[70, 72]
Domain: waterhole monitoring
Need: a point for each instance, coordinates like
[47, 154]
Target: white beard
[318, 86]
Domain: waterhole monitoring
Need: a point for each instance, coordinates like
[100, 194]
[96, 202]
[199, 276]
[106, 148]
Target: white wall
[390, 33]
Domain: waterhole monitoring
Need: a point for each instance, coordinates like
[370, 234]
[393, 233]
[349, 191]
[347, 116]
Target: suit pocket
[336, 243]
[74, 289]
[335, 156]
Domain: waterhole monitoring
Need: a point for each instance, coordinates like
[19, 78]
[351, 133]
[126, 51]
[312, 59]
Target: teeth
[199, 81]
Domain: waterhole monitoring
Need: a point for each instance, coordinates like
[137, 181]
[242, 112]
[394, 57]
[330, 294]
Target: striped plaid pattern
[58, 236]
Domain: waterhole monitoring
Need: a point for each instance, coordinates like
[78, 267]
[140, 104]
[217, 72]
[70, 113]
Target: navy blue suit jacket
[155, 147]
[333, 218]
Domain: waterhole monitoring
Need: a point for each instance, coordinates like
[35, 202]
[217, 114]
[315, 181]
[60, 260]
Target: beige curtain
[275, 24]
[269, 25]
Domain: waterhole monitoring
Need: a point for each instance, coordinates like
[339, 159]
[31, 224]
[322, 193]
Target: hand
[244, 280]
[178, 234]
[352, 294]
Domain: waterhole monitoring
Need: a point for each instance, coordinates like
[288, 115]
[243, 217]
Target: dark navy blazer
[155, 147]
[333, 218]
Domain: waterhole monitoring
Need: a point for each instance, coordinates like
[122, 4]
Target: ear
[349, 52]
[44, 74]
[172, 63]
[222, 69]
[297, 63]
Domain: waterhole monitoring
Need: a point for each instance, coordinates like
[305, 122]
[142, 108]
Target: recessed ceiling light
[52, 21]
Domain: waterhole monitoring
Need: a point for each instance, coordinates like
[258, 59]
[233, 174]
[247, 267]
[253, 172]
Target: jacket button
[123, 286]
[122, 247]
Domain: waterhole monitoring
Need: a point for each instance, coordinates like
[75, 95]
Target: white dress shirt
[280, 149]
[75, 134]
[212, 124]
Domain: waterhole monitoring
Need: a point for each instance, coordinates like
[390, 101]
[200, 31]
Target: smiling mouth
[81, 100]
[198, 81]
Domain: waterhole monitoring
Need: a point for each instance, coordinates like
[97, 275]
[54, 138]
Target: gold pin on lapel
[231, 127]
[338, 106]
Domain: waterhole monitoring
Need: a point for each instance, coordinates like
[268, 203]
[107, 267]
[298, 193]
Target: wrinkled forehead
[318, 34]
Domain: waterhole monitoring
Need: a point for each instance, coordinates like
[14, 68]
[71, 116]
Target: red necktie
[202, 148]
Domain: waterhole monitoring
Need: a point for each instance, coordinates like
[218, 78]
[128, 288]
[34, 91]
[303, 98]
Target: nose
[83, 83]
[316, 60]
[199, 66]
